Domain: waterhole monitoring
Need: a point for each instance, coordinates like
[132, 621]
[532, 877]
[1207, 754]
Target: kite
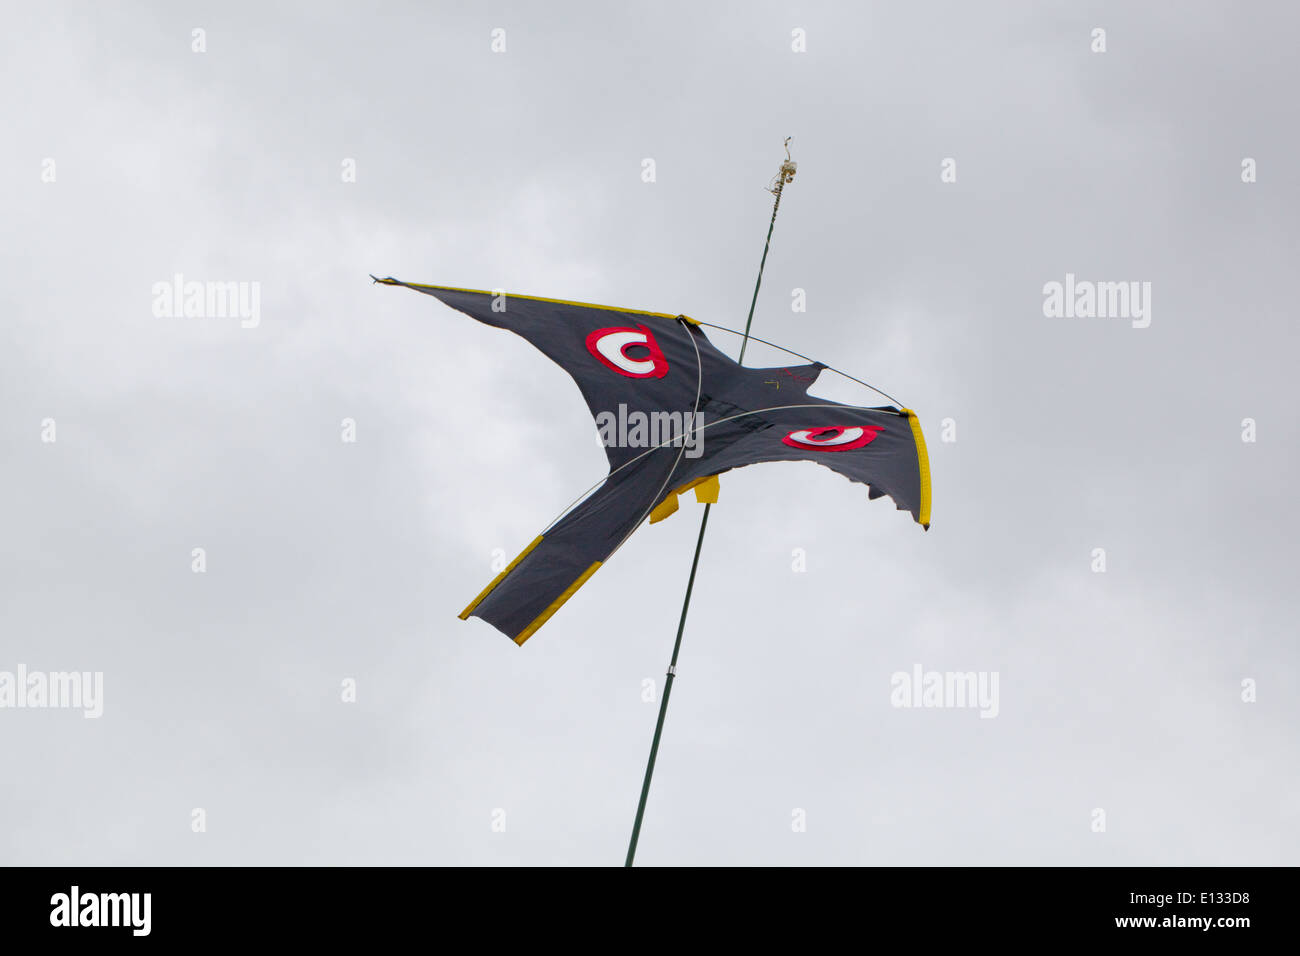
[674, 413]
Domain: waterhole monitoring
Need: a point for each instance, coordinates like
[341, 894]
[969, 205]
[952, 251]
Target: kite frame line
[783, 176]
[806, 358]
[699, 390]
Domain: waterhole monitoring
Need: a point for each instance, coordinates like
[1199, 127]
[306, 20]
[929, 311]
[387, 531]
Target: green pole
[784, 176]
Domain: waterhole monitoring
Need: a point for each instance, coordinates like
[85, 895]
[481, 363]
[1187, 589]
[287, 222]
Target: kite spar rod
[785, 175]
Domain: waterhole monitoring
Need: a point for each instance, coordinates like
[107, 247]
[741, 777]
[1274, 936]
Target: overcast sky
[129, 157]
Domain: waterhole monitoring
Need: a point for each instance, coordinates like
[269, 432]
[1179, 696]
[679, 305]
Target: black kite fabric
[675, 412]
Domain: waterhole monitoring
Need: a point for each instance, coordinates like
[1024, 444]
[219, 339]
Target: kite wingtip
[387, 281]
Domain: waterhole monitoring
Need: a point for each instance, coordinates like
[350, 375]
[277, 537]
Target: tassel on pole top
[786, 173]
[783, 176]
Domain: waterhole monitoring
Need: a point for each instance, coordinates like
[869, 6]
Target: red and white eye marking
[832, 437]
[611, 345]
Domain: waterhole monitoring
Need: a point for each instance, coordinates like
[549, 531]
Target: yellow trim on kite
[545, 616]
[665, 508]
[706, 490]
[464, 615]
[924, 460]
[536, 298]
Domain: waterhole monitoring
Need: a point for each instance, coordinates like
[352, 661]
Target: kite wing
[646, 362]
[675, 412]
[882, 448]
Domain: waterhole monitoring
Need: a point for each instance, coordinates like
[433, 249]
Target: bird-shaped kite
[674, 413]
